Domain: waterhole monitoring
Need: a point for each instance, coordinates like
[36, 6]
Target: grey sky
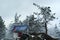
[8, 8]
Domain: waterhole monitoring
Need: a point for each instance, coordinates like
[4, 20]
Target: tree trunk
[46, 27]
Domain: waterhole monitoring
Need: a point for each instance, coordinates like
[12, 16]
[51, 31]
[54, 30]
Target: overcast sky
[8, 8]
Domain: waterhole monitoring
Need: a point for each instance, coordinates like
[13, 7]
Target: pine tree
[2, 28]
[47, 15]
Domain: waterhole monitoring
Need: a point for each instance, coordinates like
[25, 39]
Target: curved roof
[20, 28]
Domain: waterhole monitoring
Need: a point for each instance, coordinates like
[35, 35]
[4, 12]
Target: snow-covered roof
[20, 28]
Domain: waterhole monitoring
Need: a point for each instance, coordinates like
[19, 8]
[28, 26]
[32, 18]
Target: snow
[54, 32]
